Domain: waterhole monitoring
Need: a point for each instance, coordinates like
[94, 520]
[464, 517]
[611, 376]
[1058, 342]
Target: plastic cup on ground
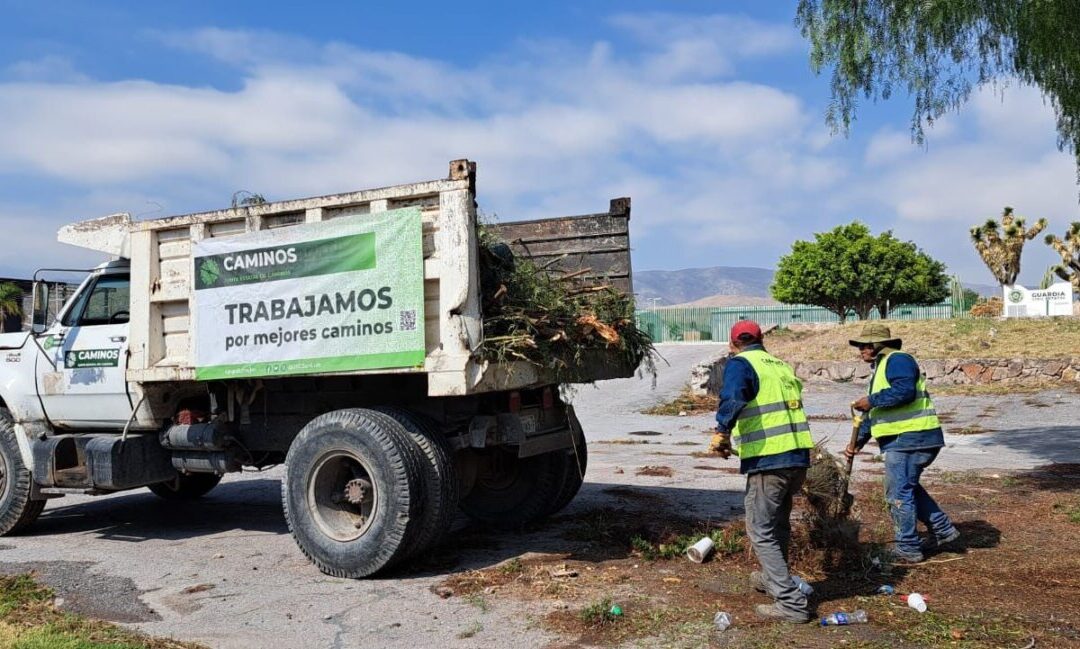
[700, 551]
[916, 601]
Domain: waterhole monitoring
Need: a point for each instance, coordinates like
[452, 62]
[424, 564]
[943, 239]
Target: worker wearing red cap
[761, 419]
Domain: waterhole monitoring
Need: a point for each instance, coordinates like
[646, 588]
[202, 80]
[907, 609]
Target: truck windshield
[106, 303]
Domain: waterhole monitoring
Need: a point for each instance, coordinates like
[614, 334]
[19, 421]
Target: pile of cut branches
[827, 518]
[553, 319]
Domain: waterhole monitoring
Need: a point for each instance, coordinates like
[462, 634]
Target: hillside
[715, 287]
[671, 287]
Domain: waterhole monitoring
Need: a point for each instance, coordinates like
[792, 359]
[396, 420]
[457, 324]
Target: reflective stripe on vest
[773, 422]
[919, 415]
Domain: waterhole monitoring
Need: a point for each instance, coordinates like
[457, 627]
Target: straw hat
[874, 333]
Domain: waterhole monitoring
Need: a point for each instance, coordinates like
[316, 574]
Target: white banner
[335, 296]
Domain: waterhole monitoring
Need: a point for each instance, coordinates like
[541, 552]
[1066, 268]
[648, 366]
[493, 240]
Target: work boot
[757, 582]
[934, 542]
[771, 611]
[902, 558]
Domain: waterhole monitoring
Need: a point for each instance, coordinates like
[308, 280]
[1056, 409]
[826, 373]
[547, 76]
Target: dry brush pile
[554, 319]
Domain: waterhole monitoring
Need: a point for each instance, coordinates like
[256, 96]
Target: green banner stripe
[286, 261]
[413, 358]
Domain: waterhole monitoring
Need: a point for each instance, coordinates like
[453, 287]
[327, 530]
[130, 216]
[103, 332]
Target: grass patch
[686, 403]
[28, 620]
[598, 614]
[470, 631]
[726, 542]
[960, 338]
[479, 601]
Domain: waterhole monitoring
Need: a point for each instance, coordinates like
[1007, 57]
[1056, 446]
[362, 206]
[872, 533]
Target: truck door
[82, 381]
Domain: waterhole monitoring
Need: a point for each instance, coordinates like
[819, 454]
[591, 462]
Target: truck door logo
[82, 358]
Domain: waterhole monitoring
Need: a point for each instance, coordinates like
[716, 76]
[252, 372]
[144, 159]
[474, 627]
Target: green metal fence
[698, 324]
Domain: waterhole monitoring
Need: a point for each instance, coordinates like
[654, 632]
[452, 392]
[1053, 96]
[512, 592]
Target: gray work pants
[768, 524]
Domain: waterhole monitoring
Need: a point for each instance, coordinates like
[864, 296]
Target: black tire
[186, 486]
[440, 480]
[332, 452]
[509, 491]
[574, 461]
[17, 510]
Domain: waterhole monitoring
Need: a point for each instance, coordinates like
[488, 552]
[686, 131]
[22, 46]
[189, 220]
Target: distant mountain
[670, 287]
[722, 286]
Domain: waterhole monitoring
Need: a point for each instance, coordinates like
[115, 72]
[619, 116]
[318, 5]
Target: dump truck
[338, 335]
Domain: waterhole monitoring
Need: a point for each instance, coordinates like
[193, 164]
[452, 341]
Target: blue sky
[705, 113]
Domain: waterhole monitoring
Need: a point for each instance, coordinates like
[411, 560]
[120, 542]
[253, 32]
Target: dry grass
[29, 620]
[687, 403]
[967, 338]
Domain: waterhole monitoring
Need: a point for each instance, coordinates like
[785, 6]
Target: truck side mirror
[40, 319]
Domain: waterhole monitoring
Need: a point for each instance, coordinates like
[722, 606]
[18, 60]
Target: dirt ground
[226, 573]
[1007, 583]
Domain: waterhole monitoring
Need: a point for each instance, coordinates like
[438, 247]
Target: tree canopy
[940, 50]
[10, 302]
[848, 269]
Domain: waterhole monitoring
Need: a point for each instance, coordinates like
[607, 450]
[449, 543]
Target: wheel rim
[342, 496]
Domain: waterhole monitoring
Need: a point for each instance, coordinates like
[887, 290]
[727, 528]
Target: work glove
[721, 444]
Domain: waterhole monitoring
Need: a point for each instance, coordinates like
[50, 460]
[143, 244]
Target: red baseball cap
[746, 331]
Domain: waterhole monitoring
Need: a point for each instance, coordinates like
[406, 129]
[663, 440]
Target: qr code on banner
[408, 320]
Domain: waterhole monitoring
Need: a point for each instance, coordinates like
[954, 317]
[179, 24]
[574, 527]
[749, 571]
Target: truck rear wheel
[440, 479]
[510, 491]
[186, 486]
[353, 491]
[574, 461]
[17, 510]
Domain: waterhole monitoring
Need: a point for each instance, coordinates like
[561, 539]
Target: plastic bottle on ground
[841, 619]
[802, 585]
[886, 589]
[722, 621]
[916, 601]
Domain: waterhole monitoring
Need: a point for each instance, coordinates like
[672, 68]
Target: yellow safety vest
[773, 422]
[919, 415]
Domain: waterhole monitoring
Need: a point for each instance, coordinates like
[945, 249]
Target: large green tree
[938, 51]
[10, 302]
[848, 269]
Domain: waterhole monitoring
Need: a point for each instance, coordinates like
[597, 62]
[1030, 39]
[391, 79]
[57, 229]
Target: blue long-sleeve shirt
[903, 375]
[740, 387]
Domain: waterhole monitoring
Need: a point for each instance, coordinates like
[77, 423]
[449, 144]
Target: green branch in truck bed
[554, 319]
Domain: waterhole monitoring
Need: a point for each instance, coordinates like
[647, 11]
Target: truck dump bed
[162, 313]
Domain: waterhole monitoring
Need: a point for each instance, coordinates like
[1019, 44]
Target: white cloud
[727, 170]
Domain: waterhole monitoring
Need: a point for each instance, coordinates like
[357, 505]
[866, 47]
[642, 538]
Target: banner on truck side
[335, 296]
[1057, 299]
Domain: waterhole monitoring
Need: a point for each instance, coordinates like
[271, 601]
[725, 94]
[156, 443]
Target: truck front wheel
[353, 491]
[17, 510]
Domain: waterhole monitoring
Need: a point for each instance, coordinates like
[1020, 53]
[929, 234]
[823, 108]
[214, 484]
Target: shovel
[848, 499]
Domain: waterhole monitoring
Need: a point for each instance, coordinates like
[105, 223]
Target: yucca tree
[1001, 244]
[10, 302]
[1069, 249]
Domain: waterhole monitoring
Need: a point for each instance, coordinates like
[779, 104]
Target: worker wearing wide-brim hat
[905, 424]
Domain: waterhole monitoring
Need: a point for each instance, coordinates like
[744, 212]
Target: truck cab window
[107, 302]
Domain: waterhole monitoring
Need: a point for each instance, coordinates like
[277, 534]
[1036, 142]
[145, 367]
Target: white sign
[1023, 303]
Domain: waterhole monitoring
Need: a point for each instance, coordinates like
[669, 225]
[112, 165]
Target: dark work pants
[768, 524]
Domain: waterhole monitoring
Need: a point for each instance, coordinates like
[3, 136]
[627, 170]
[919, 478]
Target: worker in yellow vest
[905, 424]
[761, 419]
